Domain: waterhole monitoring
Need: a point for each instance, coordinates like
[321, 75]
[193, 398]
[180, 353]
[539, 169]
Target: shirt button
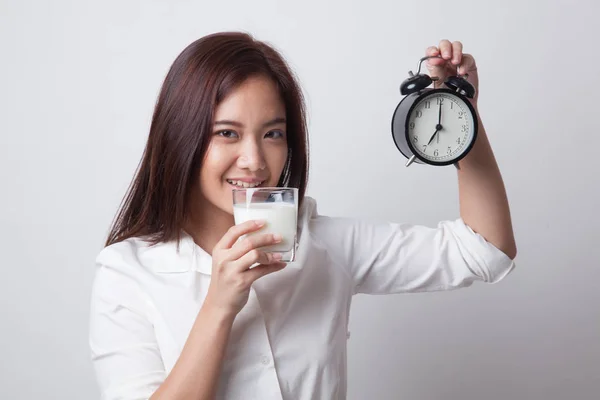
[347, 334]
[265, 360]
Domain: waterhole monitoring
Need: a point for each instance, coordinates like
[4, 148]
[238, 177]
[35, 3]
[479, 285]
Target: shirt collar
[174, 257]
[201, 261]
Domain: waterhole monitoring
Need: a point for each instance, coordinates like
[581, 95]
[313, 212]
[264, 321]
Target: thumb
[264, 269]
[436, 66]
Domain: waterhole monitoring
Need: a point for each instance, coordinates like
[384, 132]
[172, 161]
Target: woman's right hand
[231, 274]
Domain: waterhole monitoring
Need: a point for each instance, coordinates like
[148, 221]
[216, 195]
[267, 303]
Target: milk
[280, 218]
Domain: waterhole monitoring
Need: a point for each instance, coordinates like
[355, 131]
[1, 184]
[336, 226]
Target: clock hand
[438, 127]
[433, 136]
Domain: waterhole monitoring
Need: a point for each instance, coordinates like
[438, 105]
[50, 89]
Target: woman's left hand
[452, 58]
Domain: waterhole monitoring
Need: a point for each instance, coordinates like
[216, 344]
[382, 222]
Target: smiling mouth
[244, 185]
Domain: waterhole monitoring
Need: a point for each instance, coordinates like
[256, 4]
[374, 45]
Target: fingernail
[260, 222]
[277, 238]
[446, 55]
[276, 256]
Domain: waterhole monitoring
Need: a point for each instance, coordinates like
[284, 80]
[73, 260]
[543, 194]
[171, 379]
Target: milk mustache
[280, 218]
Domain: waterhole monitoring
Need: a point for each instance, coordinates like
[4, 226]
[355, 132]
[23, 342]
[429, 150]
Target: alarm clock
[435, 126]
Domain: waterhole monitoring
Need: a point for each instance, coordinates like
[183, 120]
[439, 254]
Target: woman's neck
[207, 224]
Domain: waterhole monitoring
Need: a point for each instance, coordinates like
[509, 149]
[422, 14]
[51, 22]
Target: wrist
[217, 313]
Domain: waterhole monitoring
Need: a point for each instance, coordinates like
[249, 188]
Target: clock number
[424, 147]
[415, 139]
[450, 149]
[427, 104]
[412, 125]
[436, 152]
[451, 105]
[419, 114]
[440, 101]
[464, 128]
[460, 114]
[458, 140]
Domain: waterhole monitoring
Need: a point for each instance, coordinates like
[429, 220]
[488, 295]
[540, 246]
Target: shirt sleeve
[124, 351]
[383, 258]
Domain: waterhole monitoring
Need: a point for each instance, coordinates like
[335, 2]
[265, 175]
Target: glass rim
[265, 188]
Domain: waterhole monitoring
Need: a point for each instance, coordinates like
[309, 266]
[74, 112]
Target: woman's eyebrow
[275, 121]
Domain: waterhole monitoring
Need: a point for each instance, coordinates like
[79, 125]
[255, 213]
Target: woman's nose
[251, 157]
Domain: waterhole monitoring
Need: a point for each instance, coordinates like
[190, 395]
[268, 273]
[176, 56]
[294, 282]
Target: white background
[78, 81]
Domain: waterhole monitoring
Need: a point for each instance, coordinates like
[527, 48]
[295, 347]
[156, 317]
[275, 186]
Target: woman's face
[248, 146]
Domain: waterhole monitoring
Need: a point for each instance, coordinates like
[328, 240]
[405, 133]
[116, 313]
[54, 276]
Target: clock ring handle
[428, 57]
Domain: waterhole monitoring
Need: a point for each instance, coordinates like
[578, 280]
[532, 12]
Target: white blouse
[289, 341]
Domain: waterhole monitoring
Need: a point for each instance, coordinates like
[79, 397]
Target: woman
[176, 311]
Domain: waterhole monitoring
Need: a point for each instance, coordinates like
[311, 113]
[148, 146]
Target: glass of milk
[278, 207]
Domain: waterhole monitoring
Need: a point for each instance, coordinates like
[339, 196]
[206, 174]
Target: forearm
[482, 195]
[196, 373]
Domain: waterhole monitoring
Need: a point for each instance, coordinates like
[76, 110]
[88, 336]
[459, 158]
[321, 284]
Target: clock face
[441, 127]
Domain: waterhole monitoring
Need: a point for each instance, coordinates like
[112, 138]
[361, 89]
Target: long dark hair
[155, 205]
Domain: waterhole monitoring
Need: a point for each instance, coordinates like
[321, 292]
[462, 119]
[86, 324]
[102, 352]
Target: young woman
[177, 313]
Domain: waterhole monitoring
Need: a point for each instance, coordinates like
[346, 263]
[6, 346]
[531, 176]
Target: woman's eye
[227, 134]
[275, 135]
